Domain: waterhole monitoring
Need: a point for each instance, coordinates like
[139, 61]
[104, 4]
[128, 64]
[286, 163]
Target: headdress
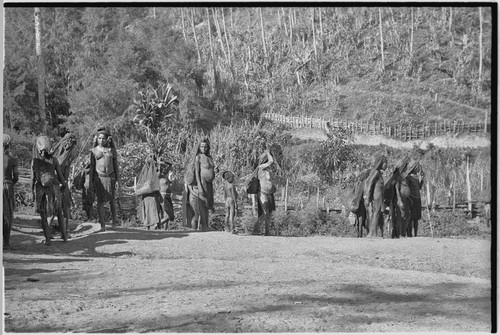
[379, 161]
[42, 143]
[103, 130]
[226, 174]
[207, 141]
[6, 140]
[402, 164]
[63, 149]
[413, 166]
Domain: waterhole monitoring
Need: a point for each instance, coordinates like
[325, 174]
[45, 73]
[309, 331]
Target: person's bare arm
[197, 171]
[235, 197]
[59, 173]
[92, 171]
[33, 177]
[270, 160]
[15, 171]
[115, 165]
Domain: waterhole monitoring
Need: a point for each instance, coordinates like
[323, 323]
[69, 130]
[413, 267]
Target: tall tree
[262, 33]
[40, 69]
[381, 39]
[195, 37]
[480, 46]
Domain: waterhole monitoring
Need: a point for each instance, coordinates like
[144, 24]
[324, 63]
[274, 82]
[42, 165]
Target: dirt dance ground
[133, 280]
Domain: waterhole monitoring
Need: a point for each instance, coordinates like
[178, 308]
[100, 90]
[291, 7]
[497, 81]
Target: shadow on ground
[27, 238]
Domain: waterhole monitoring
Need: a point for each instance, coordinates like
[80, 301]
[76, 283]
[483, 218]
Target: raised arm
[270, 160]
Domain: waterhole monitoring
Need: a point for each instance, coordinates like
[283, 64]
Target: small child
[230, 200]
[166, 178]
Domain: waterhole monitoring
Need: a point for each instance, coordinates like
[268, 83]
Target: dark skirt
[168, 207]
[151, 209]
[104, 188]
[9, 203]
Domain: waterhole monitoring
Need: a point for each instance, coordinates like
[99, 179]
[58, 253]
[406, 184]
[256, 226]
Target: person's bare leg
[112, 208]
[100, 214]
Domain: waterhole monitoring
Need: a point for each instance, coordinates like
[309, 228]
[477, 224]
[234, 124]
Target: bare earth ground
[133, 280]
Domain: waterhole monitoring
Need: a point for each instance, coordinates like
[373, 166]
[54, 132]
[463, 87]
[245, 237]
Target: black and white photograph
[249, 167]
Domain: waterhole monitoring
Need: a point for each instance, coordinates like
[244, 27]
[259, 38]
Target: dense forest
[397, 64]
[162, 77]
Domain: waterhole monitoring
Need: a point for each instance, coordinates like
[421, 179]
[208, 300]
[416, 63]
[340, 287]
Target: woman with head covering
[396, 196]
[10, 177]
[200, 190]
[374, 196]
[415, 178]
[63, 152]
[104, 174]
[46, 179]
[265, 196]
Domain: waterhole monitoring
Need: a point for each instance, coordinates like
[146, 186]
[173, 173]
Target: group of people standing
[155, 181]
[100, 180]
[400, 193]
[198, 195]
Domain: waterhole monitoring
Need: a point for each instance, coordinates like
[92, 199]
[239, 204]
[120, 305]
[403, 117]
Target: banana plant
[154, 110]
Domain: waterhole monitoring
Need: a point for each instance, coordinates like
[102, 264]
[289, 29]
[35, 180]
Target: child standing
[230, 200]
[166, 178]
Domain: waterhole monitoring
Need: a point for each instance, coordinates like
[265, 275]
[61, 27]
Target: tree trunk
[232, 22]
[451, 21]
[219, 34]
[183, 28]
[480, 48]
[284, 20]
[210, 35]
[381, 38]
[314, 32]
[195, 38]
[411, 35]
[227, 42]
[320, 22]
[263, 35]
[40, 69]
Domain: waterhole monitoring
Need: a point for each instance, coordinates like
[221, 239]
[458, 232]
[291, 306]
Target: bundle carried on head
[42, 143]
[6, 140]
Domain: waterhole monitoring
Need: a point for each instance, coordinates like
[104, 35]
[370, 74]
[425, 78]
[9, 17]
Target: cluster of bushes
[309, 221]
[449, 223]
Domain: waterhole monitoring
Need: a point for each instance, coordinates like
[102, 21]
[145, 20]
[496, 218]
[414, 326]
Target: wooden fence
[400, 132]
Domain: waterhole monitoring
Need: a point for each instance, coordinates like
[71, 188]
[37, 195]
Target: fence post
[469, 192]
[317, 198]
[286, 195]
[486, 121]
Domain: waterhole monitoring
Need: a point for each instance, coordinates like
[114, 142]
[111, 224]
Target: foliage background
[227, 65]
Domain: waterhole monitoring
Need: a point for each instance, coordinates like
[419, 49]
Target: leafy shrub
[448, 223]
[21, 146]
[308, 222]
[247, 222]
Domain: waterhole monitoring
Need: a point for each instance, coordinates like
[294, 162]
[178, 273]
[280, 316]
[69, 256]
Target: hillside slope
[448, 141]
